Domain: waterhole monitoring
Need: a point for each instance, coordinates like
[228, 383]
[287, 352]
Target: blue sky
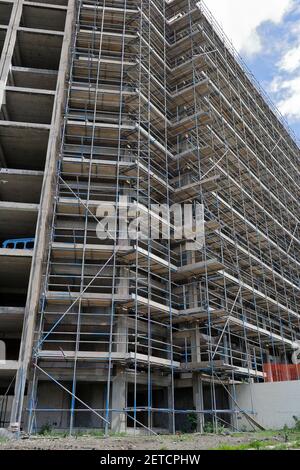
[267, 35]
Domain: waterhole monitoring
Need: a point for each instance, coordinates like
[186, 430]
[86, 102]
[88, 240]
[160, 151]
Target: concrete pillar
[119, 389]
[196, 344]
[46, 206]
[123, 284]
[123, 222]
[197, 380]
[31, 394]
[192, 294]
[171, 420]
[121, 334]
[226, 356]
[233, 407]
[198, 400]
[119, 401]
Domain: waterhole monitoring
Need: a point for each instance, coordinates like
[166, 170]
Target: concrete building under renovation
[147, 100]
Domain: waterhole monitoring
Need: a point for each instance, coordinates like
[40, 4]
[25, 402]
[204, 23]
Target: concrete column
[197, 381]
[196, 344]
[119, 384]
[31, 396]
[123, 285]
[121, 334]
[119, 401]
[233, 407]
[192, 294]
[42, 228]
[226, 349]
[171, 422]
[9, 47]
[123, 222]
[198, 399]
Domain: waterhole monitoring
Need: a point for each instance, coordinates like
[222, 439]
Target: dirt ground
[178, 442]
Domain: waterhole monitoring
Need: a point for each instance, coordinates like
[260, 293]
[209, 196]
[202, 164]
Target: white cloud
[240, 19]
[288, 96]
[286, 85]
[290, 62]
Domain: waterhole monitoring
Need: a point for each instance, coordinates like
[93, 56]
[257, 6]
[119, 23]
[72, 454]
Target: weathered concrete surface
[274, 404]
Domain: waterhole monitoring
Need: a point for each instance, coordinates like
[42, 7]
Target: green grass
[253, 445]
[296, 445]
[266, 440]
[268, 444]
[92, 433]
[88, 433]
[49, 434]
[182, 437]
[118, 434]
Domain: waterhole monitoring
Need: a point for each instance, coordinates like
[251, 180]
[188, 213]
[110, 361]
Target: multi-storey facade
[143, 99]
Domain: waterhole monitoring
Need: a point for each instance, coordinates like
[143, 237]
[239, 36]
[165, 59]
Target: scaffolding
[146, 335]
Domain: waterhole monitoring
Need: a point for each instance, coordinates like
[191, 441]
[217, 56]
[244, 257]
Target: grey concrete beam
[49, 3]
[8, 369]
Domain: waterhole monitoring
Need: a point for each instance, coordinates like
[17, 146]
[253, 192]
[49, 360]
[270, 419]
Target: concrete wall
[274, 404]
[183, 400]
[59, 400]
[93, 394]
[53, 397]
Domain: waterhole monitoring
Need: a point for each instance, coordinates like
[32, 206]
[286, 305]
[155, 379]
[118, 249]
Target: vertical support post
[45, 211]
[226, 349]
[120, 341]
[170, 414]
[198, 400]
[123, 284]
[197, 380]
[119, 400]
[232, 407]
[119, 388]
[192, 288]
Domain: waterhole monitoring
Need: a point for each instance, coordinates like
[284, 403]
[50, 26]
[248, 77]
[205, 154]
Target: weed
[297, 423]
[193, 421]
